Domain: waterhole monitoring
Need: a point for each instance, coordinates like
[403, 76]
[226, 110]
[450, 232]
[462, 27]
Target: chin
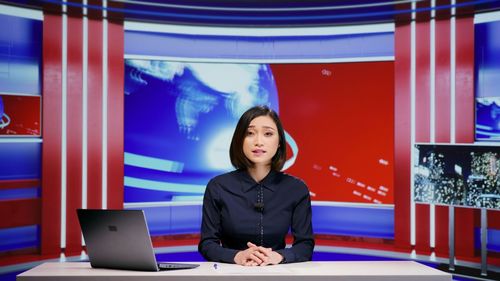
[261, 162]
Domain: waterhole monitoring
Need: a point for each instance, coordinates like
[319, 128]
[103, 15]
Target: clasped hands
[257, 255]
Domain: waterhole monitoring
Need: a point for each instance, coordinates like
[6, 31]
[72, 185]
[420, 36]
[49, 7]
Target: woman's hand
[256, 255]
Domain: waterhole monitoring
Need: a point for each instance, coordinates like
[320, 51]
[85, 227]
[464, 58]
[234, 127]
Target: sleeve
[302, 232]
[210, 246]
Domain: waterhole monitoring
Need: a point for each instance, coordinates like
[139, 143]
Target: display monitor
[487, 74]
[20, 115]
[180, 117]
[461, 175]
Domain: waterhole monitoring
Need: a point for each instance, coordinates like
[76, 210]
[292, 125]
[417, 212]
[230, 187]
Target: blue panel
[11, 276]
[487, 75]
[335, 220]
[326, 256]
[493, 239]
[19, 238]
[20, 160]
[353, 221]
[182, 256]
[20, 55]
[20, 193]
[239, 47]
[172, 220]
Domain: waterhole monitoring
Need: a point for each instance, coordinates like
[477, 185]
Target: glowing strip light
[452, 73]
[432, 207]
[486, 17]
[163, 186]
[259, 32]
[266, 60]
[183, 198]
[263, 9]
[20, 140]
[153, 163]
[21, 12]
[85, 107]
[64, 78]
[412, 117]
[329, 16]
[104, 203]
[85, 67]
[141, 205]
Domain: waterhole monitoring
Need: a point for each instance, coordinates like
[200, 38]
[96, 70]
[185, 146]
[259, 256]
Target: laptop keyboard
[172, 266]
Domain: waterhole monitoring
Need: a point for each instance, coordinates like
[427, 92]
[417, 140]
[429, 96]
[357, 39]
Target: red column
[115, 115]
[443, 100]
[52, 201]
[402, 141]
[422, 125]
[51, 152]
[94, 115]
[74, 135]
[464, 125]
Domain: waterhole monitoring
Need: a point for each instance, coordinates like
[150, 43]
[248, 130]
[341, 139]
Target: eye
[250, 133]
[269, 134]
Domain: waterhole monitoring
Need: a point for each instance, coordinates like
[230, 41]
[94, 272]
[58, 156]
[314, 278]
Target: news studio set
[115, 115]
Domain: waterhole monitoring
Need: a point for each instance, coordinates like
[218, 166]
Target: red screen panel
[20, 115]
[342, 118]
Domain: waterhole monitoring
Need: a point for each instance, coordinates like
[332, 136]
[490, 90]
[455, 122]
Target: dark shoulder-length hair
[238, 158]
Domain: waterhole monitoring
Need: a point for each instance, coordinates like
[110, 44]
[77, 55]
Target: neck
[259, 172]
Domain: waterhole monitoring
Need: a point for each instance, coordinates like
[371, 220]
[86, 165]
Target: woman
[248, 212]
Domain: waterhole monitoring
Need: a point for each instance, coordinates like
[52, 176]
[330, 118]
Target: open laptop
[120, 239]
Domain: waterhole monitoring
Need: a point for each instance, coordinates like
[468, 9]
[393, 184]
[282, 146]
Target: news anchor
[248, 212]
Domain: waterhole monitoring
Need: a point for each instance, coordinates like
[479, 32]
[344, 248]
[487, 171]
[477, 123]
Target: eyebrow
[265, 127]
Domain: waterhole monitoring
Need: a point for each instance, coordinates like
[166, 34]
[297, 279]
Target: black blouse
[237, 210]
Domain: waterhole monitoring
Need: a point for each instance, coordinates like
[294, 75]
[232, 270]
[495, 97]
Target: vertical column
[464, 124]
[115, 115]
[422, 124]
[402, 135]
[442, 119]
[83, 77]
[52, 127]
[74, 134]
[94, 109]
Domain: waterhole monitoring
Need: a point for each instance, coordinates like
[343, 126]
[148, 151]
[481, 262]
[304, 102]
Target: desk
[315, 271]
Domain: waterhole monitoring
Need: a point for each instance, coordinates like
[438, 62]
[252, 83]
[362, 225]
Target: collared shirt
[233, 214]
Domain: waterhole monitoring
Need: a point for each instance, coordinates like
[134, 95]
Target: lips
[258, 151]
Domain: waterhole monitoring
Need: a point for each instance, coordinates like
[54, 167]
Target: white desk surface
[317, 271]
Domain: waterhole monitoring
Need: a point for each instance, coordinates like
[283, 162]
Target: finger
[264, 256]
[253, 263]
[261, 256]
[265, 251]
[251, 245]
[250, 263]
[255, 258]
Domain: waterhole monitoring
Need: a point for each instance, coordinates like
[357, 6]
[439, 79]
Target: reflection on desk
[316, 271]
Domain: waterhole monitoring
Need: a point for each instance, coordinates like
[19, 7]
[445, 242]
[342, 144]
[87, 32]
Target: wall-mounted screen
[487, 75]
[462, 175]
[20, 115]
[180, 117]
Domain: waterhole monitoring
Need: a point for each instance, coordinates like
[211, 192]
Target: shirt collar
[270, 181]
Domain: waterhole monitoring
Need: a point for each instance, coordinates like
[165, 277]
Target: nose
[258, 140]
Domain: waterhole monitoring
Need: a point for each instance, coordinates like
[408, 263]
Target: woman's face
[261, 141]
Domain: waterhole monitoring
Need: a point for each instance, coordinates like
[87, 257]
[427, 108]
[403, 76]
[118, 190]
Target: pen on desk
[215, 266]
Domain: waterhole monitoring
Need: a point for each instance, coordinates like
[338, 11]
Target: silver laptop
[120, 239]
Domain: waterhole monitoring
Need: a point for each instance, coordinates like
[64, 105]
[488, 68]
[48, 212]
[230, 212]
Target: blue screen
[487, 75]
[179, 121]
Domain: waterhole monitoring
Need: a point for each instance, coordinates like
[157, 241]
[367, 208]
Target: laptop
[119, 239]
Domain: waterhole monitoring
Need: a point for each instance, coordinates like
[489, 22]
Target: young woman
[247, 213]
